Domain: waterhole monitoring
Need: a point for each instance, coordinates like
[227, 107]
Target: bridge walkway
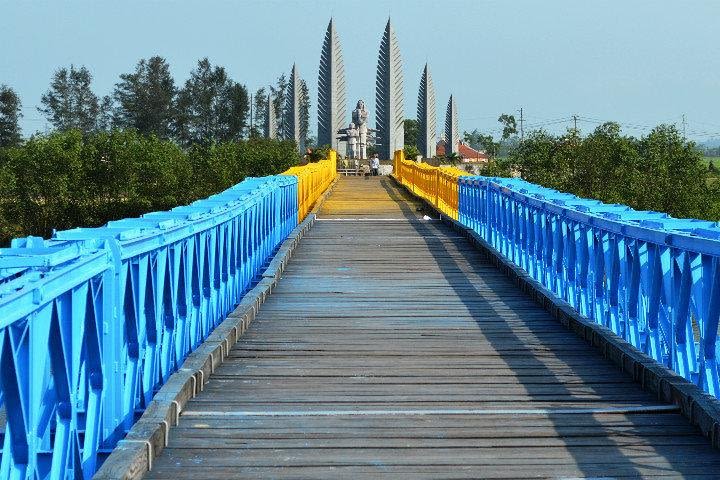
[390, 349]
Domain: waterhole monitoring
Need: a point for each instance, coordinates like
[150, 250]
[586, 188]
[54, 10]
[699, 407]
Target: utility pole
[575, 119]
[251, 116]
[522, 131]
[683, 124]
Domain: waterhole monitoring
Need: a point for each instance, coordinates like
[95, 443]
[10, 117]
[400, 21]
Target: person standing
[375, 165]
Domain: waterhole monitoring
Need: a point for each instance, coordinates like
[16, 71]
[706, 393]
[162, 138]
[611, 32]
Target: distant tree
[235, 116]
[480, 141]
[674, 173]
[105, 114]
[305, 113]
[279, 92]
[371, 150]
[411, 151]
[712, 168]
[260, 108]
[509, 125]
[473, 139]
[606, 166]
[9, 117]
[497, 168]
[144, 99]
[453, 158]
[70, 102]
[411, 133]
[211, 107]
[534, 158]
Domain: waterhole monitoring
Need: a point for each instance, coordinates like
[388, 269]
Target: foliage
[278, 93]
[319, 153]
[304, 112]
[712, 168]
[497, 167]
[211, 107]
[260, 106]
[411, 127]
[145, 98]
[89, 179]
[509, 125]
[480, 141]
[70, 103]
[411, 151]
[660, 171]
[487, 143]
[9, 117]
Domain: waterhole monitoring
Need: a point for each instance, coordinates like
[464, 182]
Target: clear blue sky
[639, 62]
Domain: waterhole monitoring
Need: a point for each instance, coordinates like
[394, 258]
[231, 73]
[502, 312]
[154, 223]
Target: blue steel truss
[95, 320]
[652, 279]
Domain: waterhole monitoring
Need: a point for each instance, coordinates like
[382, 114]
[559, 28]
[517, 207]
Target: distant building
[468, 154]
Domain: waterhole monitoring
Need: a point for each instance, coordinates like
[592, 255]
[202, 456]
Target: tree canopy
[70, 102]
[145, 99]
[211, 106]
[9, 117]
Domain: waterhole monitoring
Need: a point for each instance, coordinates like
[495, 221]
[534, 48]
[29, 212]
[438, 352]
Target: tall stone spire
[270, 119]
[426, 116]
[292, 126]
[452, 132]
[389, 107]
[331, 89]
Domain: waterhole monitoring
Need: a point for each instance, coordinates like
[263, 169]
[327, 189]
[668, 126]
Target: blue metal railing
[653, 279]
[95, 320]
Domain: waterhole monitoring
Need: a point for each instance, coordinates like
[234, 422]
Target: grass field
[714, 160]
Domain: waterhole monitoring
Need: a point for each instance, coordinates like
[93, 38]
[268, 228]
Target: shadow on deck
[391, 348]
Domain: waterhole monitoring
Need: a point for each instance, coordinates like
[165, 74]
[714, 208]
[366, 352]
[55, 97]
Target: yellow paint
[313, 180]
[438, 185]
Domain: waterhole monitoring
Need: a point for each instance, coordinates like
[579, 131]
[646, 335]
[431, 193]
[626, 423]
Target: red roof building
[467, 153]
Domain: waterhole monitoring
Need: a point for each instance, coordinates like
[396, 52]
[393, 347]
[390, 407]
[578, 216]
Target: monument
[331, 90]
[389, 108]
[426, 116]
[357, 134]
[452, 133]
[291, 124]
[270, 119]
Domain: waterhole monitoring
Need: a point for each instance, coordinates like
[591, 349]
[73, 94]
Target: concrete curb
[699, 407]
[134, 454]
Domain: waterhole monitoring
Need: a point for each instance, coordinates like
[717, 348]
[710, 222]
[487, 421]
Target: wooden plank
[381, 310]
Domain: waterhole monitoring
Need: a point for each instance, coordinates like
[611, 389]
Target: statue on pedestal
[360, 116]
[357, 135]
[353, 136]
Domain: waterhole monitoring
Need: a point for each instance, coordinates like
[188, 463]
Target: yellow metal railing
[437, 185]
[313, 180]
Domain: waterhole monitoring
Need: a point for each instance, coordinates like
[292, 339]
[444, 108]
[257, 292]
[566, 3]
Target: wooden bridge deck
[389, 349]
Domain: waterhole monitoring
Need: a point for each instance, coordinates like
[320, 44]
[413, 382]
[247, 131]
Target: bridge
[428, 325]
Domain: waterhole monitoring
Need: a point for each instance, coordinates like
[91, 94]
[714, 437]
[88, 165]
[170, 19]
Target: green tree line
[70, 178]
[209, 107]
[660, 171]
[148, 145]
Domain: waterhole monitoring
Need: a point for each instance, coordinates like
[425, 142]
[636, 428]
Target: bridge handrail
[313, 180]
[652, 279]
[438, 185]
[94, 320]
